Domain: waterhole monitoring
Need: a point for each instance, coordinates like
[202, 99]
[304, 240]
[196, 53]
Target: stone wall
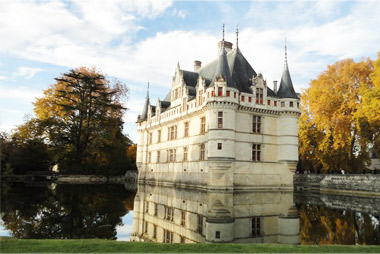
[349, 184]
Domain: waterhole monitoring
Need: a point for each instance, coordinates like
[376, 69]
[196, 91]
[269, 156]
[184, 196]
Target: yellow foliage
[330, 133]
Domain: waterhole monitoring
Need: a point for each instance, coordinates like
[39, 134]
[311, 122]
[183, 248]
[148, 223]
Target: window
[146, 206]
[184, 103]
[256, 152]
[159, 136]
[268, 102]
[249, 99]
[186, 134]
[256, 124]
[259, 95]
[149, 157]
[228, 93]
[169, 213]
[146, 227]
[185, 151]
[217, 234]
[200, 224]
[168, 236]
[172, 155]
[172, 132]
[220, 119]
[291, 104]
[242, 98]
[298, 105]
[155, 209]
[234, 94]
[219, 146]
[203, 125]
[158, 156]
[183, 218]
[200, 97]
[256, 227]
[275, 103]
[220, 91]
[213, 93]
[150, 138]
[283, 104]
[154, 231]
[202, 156]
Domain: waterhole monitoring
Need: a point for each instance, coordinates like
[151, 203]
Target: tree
[80, 119]
[369, 112]
[331, 136]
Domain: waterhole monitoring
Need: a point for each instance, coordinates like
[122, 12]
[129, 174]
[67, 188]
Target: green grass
[11, 245]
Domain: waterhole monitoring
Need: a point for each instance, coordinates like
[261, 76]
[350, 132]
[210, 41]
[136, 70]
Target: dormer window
[259, 96]
[220, 91]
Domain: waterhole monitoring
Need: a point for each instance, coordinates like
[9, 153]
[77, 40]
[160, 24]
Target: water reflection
[163, 214]
[66, 211]
[170, 215]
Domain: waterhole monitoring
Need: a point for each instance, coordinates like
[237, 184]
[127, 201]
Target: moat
[172, 215]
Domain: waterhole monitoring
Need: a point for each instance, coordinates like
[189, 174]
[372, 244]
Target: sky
[140, 41]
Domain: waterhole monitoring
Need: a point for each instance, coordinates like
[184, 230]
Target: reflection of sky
[3, 231]
[124, 232]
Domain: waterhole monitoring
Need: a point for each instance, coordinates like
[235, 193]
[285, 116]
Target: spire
[237, 36]
[286, 89]
[286, 55]
[144, 112]
[222, 70]
[223, 33]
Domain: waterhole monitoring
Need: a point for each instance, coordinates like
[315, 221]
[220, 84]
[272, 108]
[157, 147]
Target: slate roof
[286, 89]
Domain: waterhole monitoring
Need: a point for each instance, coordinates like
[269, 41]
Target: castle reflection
[171, 215]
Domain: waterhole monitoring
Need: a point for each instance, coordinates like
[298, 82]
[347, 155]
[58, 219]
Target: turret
[286, 89]
[222, 71]
[144, 113]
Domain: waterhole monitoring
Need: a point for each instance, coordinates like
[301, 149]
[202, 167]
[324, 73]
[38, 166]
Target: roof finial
[286, 54]
[223, 33]
[237, 36]
[147, 90]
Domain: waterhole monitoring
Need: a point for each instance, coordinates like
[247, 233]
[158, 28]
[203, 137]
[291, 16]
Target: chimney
[197, 65]
[227, 46]
[275, 86]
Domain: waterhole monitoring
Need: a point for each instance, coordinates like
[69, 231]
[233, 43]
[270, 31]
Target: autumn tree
[332, 137]
[369, 111]
[80, 118]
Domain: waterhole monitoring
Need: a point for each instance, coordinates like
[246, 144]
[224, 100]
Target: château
[221, 127]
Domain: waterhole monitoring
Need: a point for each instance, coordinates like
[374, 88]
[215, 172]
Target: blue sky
[137, 41]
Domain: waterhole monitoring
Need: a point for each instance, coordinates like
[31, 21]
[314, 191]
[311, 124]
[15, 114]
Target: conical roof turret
[222, 69]
[144, 113]
[286, 89]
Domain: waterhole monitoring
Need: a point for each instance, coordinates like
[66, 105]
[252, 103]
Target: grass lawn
[11, 245]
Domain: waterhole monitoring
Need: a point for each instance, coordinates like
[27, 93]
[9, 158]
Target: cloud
[3, 77]
[26, 72]
[79, 23]
[19, 93]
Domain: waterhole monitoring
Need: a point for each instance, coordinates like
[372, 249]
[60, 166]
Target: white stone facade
[213, 135]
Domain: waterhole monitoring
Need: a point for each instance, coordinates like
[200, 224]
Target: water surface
[162, 214]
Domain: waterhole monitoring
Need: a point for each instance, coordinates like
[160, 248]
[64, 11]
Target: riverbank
[11, 245]
[352, 185]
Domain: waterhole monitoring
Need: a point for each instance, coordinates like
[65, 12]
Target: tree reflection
[321, 225]
[67, 211]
